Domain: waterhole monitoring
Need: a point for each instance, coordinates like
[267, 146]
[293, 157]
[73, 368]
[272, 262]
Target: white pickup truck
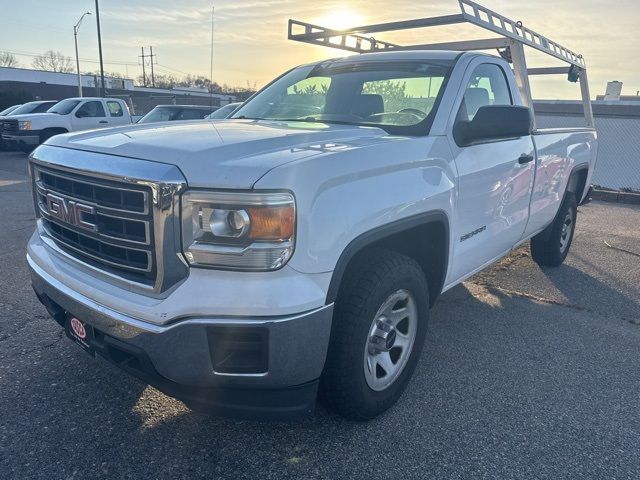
[70, 115]
[243, 265]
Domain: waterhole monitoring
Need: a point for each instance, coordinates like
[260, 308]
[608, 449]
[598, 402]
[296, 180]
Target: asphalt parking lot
[527, 373]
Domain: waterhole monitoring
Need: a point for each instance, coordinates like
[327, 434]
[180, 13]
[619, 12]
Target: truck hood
[224, 153]
[31, 116]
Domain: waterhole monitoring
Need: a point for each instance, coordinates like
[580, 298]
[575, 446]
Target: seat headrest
[367, 104]
[474, 98]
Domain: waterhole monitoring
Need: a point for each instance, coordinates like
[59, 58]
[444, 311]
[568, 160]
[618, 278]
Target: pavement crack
[624, 250]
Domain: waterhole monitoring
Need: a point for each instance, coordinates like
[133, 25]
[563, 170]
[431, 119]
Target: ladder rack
[513, 37]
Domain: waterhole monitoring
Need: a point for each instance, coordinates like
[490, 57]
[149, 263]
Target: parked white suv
[69, 115]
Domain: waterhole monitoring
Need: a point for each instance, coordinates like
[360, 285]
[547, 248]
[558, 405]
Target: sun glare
[340, 19]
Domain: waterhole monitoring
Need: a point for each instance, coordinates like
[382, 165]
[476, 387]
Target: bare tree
[8, 59]
[53, 62]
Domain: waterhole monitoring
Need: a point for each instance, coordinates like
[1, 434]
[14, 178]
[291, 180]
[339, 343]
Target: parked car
[243, 265]
[69, 115]
[170, 113]
[26, 108]
[39, 106]
[225, 111]
[8, 110]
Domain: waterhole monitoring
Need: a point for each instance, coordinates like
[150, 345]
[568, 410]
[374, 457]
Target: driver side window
[91, 109]
[487, 86]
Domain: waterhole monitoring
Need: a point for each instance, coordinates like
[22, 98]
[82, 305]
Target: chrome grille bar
[116, 217]
[114, 211]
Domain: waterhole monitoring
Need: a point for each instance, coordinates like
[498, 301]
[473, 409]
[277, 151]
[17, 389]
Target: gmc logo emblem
[71, 212]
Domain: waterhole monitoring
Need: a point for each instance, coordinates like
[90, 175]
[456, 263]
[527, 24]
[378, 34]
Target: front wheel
[551, 247]
[377, 335]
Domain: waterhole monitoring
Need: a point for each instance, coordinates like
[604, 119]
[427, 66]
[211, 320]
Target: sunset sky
[250, 35]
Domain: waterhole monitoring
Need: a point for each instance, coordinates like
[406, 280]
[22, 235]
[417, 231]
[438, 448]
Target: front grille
[104, 223]
[101, 251]
[102, 195]
[10, 126]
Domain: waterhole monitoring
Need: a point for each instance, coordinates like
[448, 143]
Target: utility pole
[76, 27]
[100, 50]
[151, 55]
[211, 59]
[144, 75]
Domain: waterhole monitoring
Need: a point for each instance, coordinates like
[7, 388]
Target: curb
[615, 196]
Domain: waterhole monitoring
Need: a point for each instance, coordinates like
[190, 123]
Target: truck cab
[70, 115]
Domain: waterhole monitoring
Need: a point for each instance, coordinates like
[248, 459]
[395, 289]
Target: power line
[173, 69]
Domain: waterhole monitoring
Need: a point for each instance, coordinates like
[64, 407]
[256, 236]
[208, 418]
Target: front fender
[343, 194]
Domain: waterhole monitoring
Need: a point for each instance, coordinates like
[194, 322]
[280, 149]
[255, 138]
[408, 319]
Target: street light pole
[76, 27]
[100, 50]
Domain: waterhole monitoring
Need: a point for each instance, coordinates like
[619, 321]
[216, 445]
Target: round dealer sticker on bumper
[78, 328]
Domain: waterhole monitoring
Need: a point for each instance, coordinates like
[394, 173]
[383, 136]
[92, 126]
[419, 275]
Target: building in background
[18, 85]
[618, 126]
[613, 93]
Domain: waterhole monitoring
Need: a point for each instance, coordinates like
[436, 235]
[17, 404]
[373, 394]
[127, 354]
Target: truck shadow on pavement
[501, 375]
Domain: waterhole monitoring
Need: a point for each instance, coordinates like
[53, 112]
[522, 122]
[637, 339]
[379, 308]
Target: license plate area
[80, 332]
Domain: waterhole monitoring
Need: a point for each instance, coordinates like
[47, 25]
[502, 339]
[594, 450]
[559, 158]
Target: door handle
[103, 121]
[524, 158]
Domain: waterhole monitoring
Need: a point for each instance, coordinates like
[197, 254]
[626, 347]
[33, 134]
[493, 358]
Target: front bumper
[178, 359]
[27, 137]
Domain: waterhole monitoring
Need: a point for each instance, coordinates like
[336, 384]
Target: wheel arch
[50, 131]
[403, 236]
[577, 182]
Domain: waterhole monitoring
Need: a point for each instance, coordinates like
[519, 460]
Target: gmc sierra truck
[247, 265]
[69, 115]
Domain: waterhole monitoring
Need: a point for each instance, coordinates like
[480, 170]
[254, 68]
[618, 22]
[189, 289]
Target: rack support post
[521, 74]
[586, 98]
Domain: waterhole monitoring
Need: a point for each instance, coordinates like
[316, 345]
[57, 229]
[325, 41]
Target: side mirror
[81, 114]
[494, 122]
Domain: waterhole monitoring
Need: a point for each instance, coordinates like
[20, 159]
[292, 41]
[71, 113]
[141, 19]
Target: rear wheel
[551, 247]
[377, 335]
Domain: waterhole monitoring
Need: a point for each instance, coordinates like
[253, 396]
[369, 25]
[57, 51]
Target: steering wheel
[413, 111]
[399, 118]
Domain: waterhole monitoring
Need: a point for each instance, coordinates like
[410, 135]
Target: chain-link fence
[618, 163]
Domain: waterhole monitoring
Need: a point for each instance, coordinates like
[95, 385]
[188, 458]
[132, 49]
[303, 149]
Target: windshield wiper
[310, 120]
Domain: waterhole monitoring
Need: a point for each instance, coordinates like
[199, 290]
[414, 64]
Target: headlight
[24, 125]
[241, 231]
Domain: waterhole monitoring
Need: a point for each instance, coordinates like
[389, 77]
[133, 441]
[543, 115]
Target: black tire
[47, 134]
[550, 247]
[368, 284]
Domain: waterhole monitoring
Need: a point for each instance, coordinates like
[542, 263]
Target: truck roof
[398, 55]
[91, 98]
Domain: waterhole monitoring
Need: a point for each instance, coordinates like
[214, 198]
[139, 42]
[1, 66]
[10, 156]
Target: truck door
[494, 182]
[116, 113]
[88, 115]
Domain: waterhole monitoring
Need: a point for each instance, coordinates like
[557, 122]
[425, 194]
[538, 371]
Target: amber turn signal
[272, 223]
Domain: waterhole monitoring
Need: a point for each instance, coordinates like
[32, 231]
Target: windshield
[166, 114]
[64, 107]
[7, 111]
[224, 112]
[31, 107]
[399, 97]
